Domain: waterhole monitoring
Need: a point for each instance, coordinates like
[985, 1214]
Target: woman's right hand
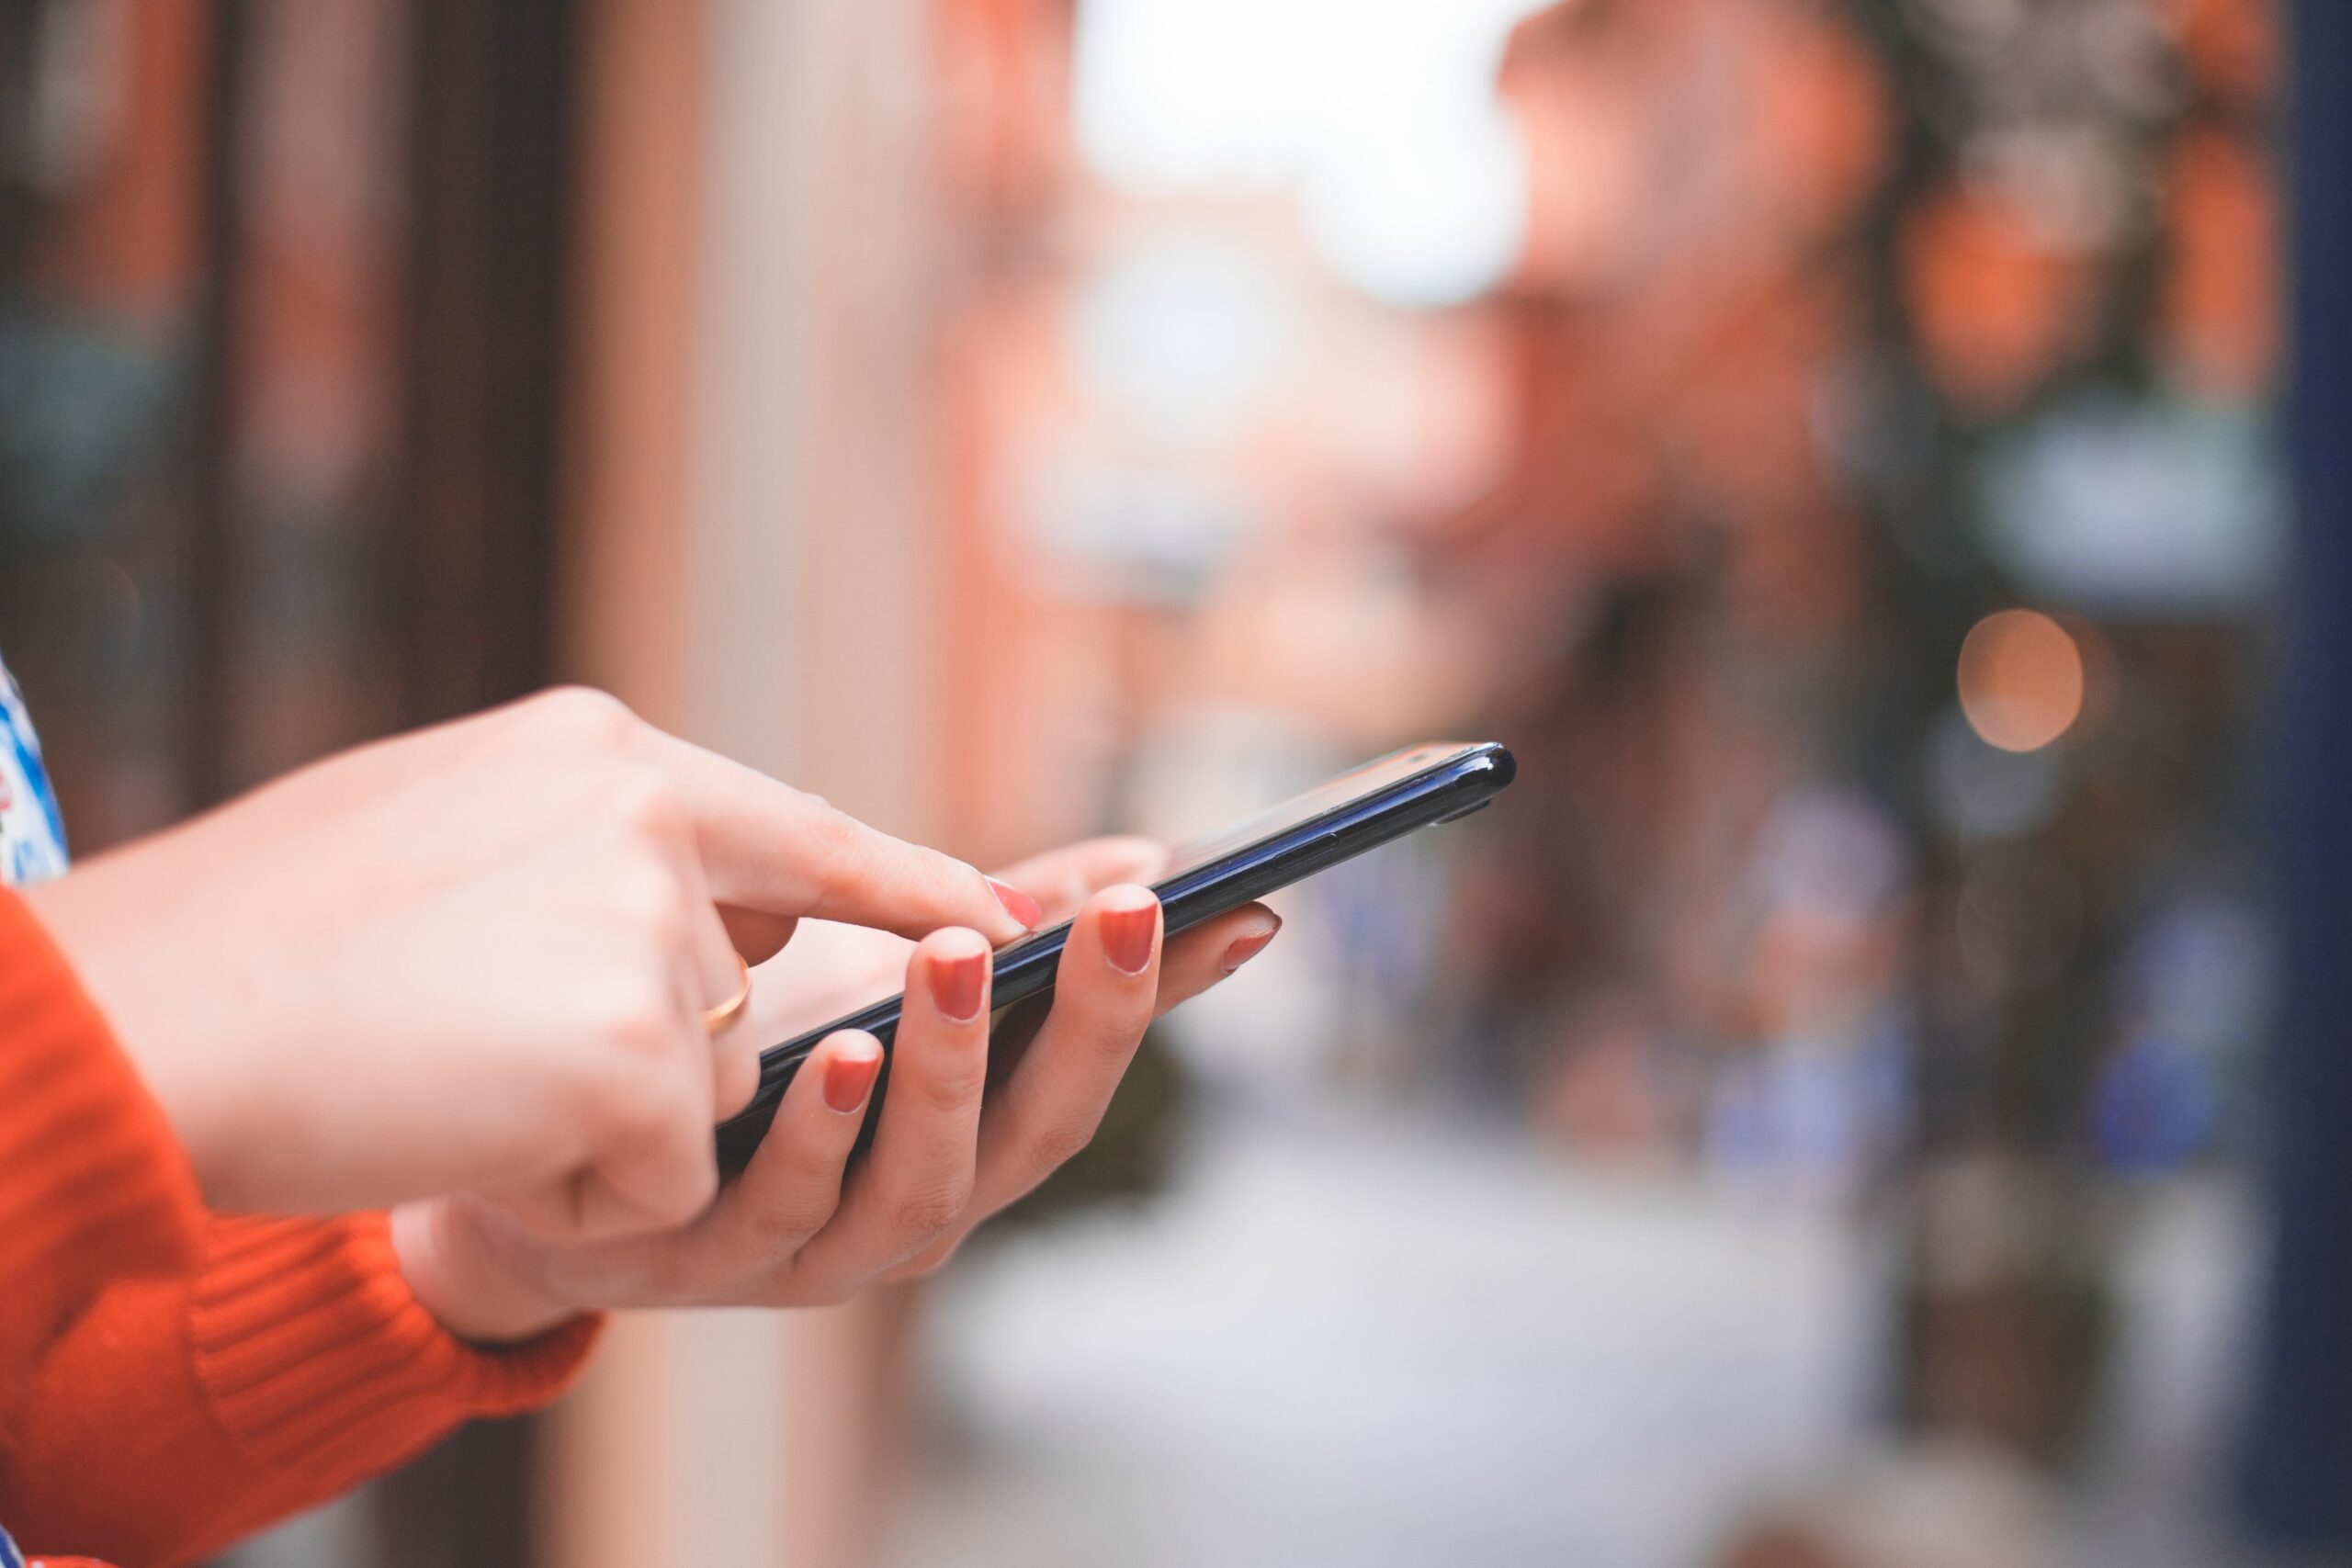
[479, 958]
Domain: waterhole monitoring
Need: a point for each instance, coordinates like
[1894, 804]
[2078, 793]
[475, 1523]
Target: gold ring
[719, 1019]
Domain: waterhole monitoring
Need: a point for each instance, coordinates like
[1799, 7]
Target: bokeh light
[2021, 680]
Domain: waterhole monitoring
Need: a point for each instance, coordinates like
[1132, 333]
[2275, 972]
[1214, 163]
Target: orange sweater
[170, 1380]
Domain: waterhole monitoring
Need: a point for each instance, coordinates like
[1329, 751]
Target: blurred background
[1818, 1120]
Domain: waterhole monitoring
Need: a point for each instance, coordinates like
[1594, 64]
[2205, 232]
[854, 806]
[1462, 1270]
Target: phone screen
[1300, 809]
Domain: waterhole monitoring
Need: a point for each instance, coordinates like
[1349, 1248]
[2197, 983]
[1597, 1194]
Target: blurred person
[474, 998]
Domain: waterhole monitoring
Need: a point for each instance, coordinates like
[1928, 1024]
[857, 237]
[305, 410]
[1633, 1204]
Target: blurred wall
[753, 569]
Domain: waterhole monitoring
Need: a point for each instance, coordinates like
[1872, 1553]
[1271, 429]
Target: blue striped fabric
[32, 836]
[32, 845]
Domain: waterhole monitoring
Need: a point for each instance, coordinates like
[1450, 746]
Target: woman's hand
[803, 1226]
[479, 958]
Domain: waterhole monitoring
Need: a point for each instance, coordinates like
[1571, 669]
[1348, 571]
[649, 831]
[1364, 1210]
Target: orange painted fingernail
[1017, 904]
[956, 985]
[1128, 935]
[849, 1079]
[1248, 948]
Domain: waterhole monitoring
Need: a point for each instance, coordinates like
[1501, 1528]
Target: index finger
[1065, 878]
[768, 847]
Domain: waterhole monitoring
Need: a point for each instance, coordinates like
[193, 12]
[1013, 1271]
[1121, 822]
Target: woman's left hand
[802, 1225]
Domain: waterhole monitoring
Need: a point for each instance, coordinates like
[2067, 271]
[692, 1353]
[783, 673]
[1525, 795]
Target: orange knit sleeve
[93, 1185]
[169, 1382]
[178, 1416]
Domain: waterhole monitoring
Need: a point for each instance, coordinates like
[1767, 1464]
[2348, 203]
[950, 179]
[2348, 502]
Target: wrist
[438, 1243]
[107, 939]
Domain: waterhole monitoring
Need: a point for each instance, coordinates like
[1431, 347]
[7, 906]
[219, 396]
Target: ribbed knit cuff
[314, 1354]
[93, 1185]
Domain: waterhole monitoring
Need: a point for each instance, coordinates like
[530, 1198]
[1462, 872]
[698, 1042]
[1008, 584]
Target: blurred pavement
[1365, 1344]
[1326, 1349]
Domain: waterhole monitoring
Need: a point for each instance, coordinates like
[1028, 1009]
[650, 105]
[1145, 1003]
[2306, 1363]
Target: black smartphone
[1360, 810]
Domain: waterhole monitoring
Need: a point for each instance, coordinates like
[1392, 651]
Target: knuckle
[781, 1228]
[599, 1107]
[835, 842]
[614, 1117]
[951, 1091]
[651, 891]
[930, 1211]
[635, 1109]
[1054, 1144]
[814, 1175]
[660, 913]
[605, 1089]
[646, 807]
[585, 717]
[1115, 1038]
[630, 1115]
[636, 1014]
[951, 881]
[782, 1219]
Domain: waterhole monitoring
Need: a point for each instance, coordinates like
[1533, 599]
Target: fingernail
[1017, 904]
[1126, 937]
[1248, 948]
[956, 985]
[848, 1081]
